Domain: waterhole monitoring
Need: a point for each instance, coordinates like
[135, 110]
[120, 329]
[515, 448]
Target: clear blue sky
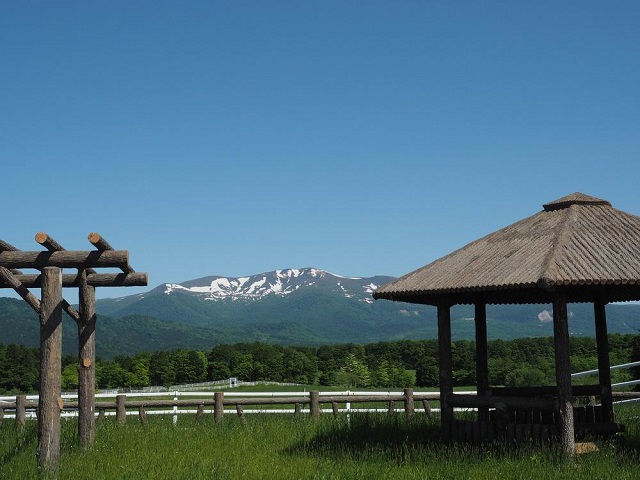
[364, 138]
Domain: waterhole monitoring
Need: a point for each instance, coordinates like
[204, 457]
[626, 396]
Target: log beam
[65, 259]
[135, 279]
[102, 245]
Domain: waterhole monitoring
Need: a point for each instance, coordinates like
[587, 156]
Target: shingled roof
[578, 243]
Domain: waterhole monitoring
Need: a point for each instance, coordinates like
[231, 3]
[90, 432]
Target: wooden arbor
[49, 308]
[578, 249]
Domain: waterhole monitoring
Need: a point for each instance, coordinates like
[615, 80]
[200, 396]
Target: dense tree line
[404, 363]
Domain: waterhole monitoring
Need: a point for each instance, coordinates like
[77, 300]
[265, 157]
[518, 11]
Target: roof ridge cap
[549, 266]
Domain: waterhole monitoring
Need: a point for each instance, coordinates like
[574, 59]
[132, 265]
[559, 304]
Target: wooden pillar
[482, 362]
[86, 363]
[446, 369]
[50, 400]
[604, 368]
[563, 374]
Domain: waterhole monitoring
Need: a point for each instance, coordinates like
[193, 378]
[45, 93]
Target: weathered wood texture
[101, 244]
[136, 279]
[86, 363]
[314, 404]
[21, 411]
[566, 429]
[121, 409]
[218, 406]
[65, 259]
[50, 400]
[409, 408]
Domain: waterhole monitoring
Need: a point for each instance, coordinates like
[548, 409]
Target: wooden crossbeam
[102, 245]
[65, 259]
[136, 279]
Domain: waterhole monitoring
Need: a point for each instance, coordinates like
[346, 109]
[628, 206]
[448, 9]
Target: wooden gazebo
[578, 249]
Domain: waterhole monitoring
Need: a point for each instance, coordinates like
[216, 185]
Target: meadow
[361, 446]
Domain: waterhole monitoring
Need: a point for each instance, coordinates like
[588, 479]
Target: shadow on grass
[361, 435]
[395, 436]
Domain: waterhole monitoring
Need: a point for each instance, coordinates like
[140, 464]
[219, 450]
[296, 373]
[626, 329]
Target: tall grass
[362, 446]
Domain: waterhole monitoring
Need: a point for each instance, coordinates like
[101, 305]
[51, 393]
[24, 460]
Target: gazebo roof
[578, 243]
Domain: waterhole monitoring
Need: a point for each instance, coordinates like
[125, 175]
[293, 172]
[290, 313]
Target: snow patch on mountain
[277, 283]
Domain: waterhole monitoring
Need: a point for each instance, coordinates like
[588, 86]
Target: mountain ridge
[307, 306]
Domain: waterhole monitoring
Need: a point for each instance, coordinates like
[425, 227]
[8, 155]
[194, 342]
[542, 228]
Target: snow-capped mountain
[278, 283]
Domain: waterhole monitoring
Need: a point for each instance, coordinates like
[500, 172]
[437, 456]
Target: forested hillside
[404, 363]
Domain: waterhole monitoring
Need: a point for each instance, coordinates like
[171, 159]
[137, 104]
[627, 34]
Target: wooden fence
[312, 403]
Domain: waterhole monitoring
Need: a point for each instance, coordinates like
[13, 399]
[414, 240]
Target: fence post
[408, 402]
[21, 411]
[121, 409]
[240, 412]
[175, 408]
[391, 407]
[314, 406]
[297, 408]
[142, 413]
[200, 412]
[334, 407]
[218, 408]
[101, 414]
[427, 407]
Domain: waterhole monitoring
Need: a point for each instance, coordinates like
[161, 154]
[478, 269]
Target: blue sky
[364, 138]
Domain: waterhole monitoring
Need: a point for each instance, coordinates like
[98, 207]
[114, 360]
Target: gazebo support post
[50, 401]
[86, 363]
[482, 363]
[446, 369]
[604, 371]
[563, 374]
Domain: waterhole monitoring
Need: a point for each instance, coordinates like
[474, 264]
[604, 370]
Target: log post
[314, 405]
[121, 409]
[101, 415]
[86, 363]
[142, 414]
[200, 412]
[391, 408]
[482, 362]
[335, 409]
[409, 407]
[446, 369]
[604, 368]
[49, 403]
[21, 411]
[297, 408]
[427, 407]
[240, 412]
[563, 375]
[218, 407]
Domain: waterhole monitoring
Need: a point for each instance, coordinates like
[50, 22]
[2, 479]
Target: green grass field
[294, 447]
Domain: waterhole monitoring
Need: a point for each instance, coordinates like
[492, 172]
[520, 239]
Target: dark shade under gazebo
[578, 249]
